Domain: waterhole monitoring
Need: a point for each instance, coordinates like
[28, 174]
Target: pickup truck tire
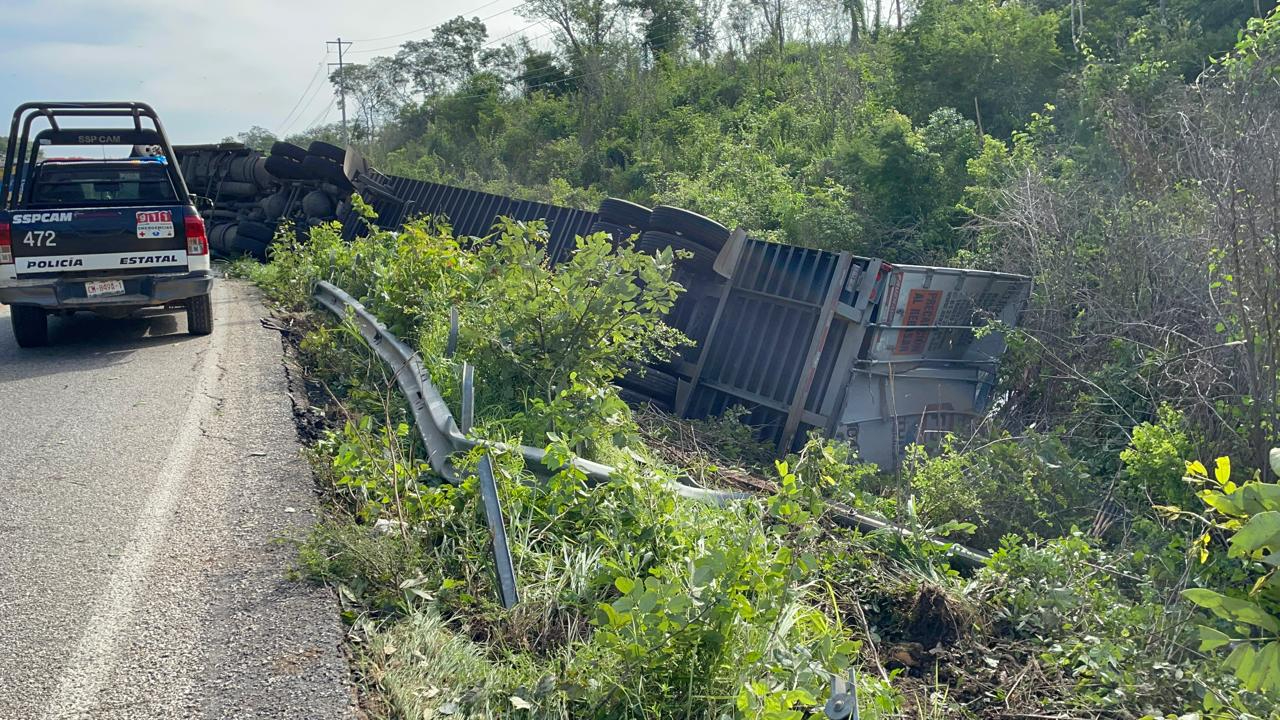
[30, 325]
[703, 259]
[200, 315]
[624, 212]
[696, 227]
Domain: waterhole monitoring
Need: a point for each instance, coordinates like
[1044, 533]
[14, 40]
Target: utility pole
[342, 94]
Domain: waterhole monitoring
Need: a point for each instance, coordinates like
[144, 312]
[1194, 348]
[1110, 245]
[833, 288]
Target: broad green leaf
[1222, 470]
[1197, 469]
[1261, 532]
[1229, 608]
[624, 584]
[1211, 639]
[1225, 504]
[1258, 497]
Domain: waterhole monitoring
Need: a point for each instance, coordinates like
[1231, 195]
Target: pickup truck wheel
[200, 315]
[30, 325]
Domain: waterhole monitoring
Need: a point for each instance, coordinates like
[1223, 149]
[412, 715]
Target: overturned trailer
[880, 354]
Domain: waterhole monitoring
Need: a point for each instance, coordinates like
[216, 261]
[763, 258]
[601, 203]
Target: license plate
[104, 288]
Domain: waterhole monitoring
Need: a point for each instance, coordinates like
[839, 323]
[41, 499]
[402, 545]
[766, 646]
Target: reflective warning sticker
[922, 309]
[155, 224]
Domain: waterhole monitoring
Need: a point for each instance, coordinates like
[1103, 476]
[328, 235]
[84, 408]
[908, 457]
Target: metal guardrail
[443, 437]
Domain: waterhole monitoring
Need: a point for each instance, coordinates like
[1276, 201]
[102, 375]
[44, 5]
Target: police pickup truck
[112, 235]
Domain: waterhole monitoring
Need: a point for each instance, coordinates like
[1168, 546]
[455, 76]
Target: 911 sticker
[155, 224]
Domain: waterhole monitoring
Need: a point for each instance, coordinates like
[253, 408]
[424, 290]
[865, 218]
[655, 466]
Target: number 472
[40, 238]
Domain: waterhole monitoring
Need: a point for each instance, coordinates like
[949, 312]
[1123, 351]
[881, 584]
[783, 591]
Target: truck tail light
[197, 240]
[6, 245]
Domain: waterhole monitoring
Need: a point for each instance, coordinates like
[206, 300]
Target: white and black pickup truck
[112, 235]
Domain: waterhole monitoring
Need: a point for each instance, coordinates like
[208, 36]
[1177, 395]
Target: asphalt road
[146, 479]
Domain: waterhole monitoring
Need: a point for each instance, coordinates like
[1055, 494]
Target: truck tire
[30, 325]
[327, 151]
[328, 171]
[286, 168]
[701, 263]
[255, 231]
[624, 212]
[656, 385]
[200, 315]
[288, 150]
[696, 227]
[617, 232]
[249, 246]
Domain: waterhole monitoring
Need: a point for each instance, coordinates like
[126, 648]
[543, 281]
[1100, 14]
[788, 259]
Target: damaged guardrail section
[443, 437]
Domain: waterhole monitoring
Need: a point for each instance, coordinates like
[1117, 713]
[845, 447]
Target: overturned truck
[880, 354]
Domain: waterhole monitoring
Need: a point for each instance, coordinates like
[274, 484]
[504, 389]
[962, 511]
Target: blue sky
[211, 69]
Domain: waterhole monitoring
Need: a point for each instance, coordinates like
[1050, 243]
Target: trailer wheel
[30, 325]
[327, 151]
[200, 315]
[703, 259]
[624, 212]
[617, 232]
[656, 385]
[696, 227]
[288, 150]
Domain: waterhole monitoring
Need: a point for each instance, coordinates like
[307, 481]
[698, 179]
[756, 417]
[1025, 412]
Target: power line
[516, 32]
[426, 27]
[316, 76]
[324, 115]
[305, 108]
[432, 27]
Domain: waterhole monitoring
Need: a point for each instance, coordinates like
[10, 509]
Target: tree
[664, 23]
[857, 19]
[772, 12]
[377, 90]
[996, 63]
[256, 137]
[454, 52]
[702, 32]
[543, 71]
[583, 25]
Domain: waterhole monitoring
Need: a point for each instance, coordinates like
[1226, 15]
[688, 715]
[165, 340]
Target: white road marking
[94, 657]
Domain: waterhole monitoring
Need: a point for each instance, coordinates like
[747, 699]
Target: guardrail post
[468, 398]
[507, 590]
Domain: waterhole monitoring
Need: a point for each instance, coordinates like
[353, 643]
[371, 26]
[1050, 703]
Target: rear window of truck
[91, 184]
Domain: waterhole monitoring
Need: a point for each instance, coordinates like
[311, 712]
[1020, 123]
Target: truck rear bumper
[140, 291]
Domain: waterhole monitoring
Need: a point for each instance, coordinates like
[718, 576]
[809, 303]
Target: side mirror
[202, 203]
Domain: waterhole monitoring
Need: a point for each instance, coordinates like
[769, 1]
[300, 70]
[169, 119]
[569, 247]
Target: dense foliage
[1123, 154]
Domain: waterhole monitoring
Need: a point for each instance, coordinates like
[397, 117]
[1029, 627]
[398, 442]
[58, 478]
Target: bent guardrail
[443, 437]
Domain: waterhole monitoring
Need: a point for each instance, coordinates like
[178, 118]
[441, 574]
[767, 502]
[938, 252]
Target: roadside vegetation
[1124, 155]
